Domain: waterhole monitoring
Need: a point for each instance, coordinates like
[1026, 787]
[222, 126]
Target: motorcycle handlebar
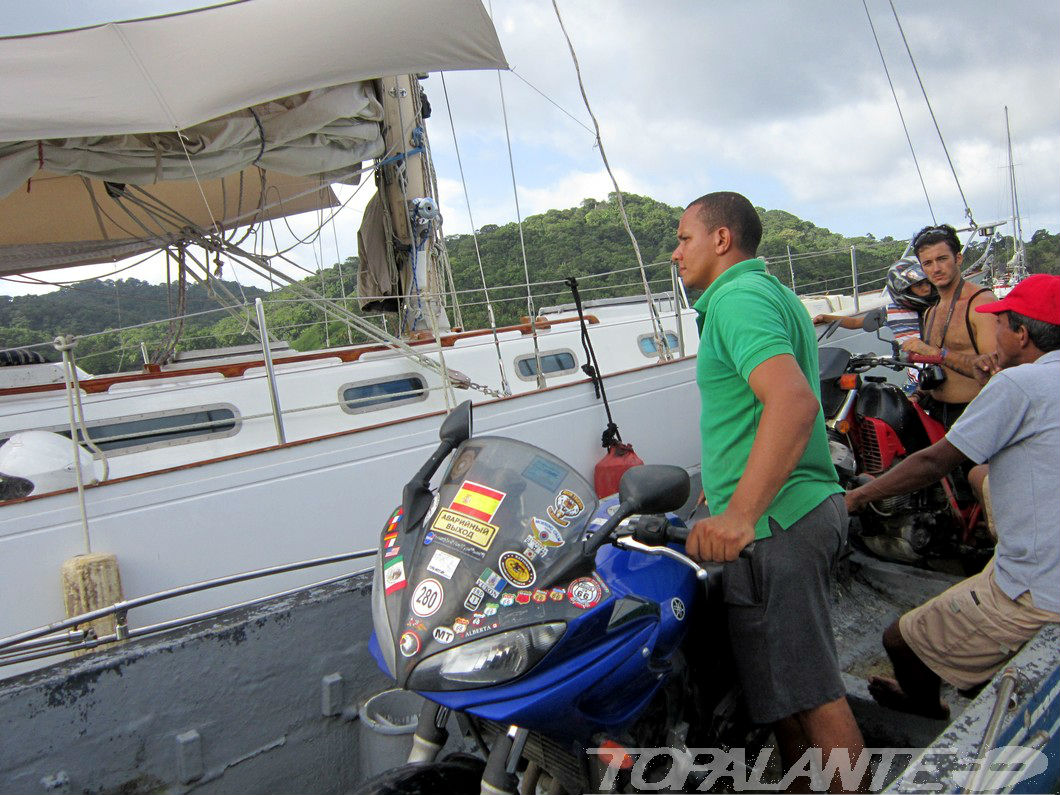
[868, 361]
[917, 358]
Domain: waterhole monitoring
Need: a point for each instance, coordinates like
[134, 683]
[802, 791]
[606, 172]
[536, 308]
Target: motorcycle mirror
[875, 319]
[829, 330]
[457, 426]
[649, 488]
[416, 498]
[656, 488]
[886, 334]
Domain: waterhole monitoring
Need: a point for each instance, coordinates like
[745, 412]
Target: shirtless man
[951, 329]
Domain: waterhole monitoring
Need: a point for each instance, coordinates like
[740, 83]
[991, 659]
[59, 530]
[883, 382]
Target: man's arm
[920, 469]
[844, 320]
[789, 408]
[984, 331]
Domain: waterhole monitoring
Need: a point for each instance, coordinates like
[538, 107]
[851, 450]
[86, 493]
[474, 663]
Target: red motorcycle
[872, 425]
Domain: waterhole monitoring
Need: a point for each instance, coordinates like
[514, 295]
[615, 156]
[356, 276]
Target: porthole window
[647, 345]
[145, 431]
[382, 393]
[552, 363]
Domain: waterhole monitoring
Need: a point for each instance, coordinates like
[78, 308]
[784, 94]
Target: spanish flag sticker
[477, 501]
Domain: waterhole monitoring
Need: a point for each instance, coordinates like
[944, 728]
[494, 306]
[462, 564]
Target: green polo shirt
[745, 317]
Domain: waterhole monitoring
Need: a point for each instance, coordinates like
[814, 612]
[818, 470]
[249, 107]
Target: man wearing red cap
[966, 634]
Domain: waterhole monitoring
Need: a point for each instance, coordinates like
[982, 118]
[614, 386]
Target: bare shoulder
[982, 297]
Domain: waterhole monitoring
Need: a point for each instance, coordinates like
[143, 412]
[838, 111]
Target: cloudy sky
[786, 102]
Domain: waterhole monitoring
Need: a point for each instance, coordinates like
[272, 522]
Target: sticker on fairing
[584, 593]
[546, 533]
[491, 582]
[477, 501]
[544, 473]
[409, 644]
[443, 635]
[566, 506]
[678, 608]
[474, 598]
[394, 575]
[470, 531]
[427, 598]
[443, 564]
[517, 569]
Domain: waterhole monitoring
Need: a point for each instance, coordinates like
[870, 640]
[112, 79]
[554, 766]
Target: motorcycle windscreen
[499, 549]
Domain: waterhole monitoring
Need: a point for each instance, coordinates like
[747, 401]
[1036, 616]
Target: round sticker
[427, 598]
[678, 607]
[584, 593]
[517, 569]
[546, 533]
[410, 643]
[444, 634]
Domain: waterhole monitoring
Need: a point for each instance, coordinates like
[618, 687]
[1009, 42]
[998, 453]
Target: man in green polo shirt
[767, 478]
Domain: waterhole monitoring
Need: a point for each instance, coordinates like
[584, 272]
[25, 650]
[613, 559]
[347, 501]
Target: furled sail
[116, 138]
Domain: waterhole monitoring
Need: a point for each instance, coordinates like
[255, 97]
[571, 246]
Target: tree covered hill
[587, 242]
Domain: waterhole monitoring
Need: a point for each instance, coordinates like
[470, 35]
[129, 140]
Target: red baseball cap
[1036, 297]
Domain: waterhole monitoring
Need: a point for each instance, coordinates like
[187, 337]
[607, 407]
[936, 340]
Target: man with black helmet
[909, 294]
[951, 329]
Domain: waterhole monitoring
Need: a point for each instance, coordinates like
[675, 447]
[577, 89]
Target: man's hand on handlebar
[918, 346]
[719, 538]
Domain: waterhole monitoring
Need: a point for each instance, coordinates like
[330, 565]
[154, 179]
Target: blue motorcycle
[549, 623]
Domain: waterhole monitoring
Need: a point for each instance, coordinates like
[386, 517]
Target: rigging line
[522, 242]
[905, 127]
[318, 255]
[656, 322]
[67, 284]
[342, 278]
[230, 308]
[562, 109]
[967, 209]
[209, 210]
[474, 237]
[442, 248]
[1017, 222]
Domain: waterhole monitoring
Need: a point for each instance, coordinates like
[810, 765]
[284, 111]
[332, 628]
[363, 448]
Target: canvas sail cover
[271, 106]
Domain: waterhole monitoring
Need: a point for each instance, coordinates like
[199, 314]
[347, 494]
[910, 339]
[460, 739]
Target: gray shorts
[777, 605]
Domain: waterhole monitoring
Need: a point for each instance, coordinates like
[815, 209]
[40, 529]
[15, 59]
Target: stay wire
[916, 71]
[656, 322]
[901, 116]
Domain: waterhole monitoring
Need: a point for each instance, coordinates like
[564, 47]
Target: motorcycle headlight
[489, 661]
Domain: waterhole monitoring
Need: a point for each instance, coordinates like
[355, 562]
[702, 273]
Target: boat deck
[870, 595]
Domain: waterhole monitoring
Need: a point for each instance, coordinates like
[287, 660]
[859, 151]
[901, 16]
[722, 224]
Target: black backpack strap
[968, 318]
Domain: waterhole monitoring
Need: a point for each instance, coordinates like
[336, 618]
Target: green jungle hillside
[587, 242]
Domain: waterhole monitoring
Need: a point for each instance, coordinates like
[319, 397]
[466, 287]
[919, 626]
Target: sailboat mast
[413, 210]
[1018, 264]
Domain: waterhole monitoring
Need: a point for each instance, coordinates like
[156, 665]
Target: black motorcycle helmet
[900, 280]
